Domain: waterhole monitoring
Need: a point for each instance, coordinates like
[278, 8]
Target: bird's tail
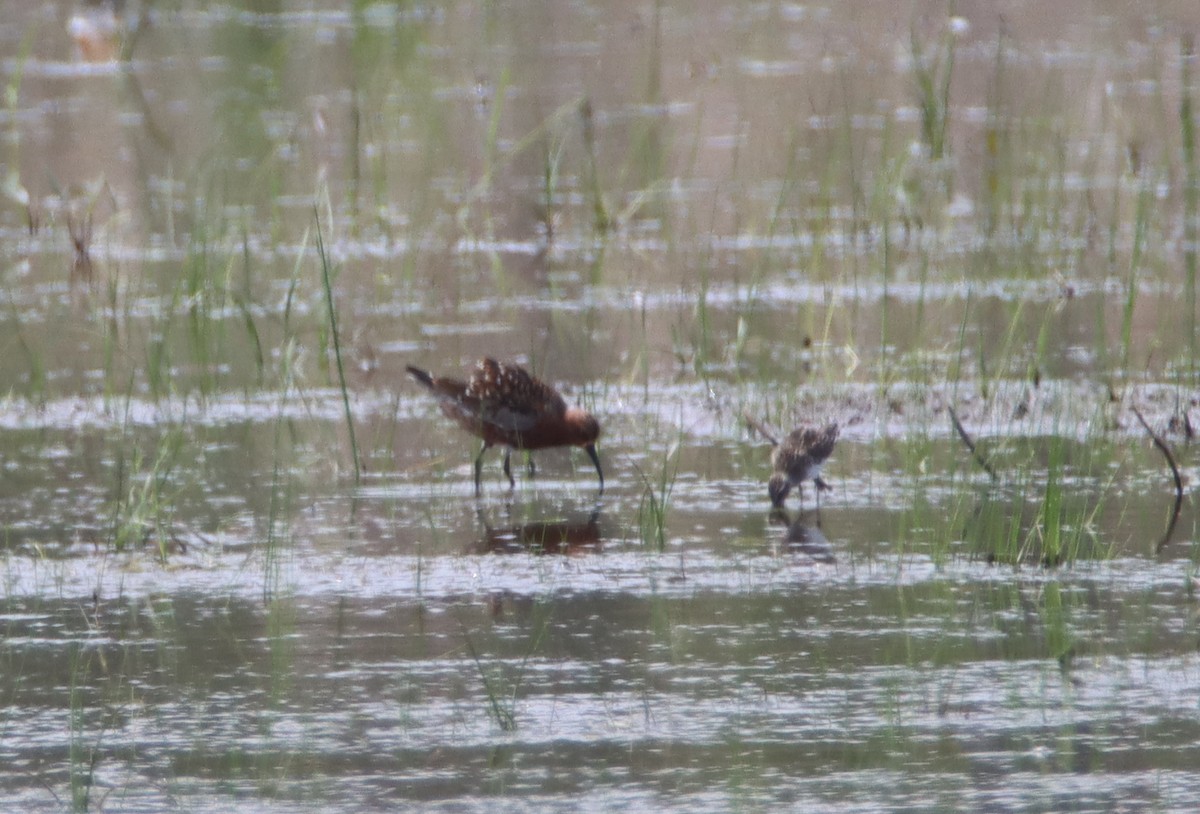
[420, 375]
[756, 425]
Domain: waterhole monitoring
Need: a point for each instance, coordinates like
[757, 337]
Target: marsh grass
[602, 219]
[336, 344]
[1191, 193]
[178, 335]
[243, 302]
[35, 383]
[655, 500]
[281, 622]
[279, 512]
[85, 748]
[913, 527]
[550, 205]
[998, 175]
[274, 765]
[1049, 531]
[143, 507]
[12, 186]
[473, 214]
[702, 336]
[1140, 226]
[283, 487]
[1054, 609]
[501, 686]
[932, 73]
[1046, 508]
[197, 298]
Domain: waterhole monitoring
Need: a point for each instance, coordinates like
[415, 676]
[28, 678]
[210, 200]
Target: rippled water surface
[243, 565]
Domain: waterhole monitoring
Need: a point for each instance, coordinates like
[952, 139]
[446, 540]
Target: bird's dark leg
[591, 451]
[820, 486]
[512, 484]
[529, 461]
[479, 469]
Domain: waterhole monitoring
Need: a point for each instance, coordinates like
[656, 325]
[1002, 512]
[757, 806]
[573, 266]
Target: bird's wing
[819, 442]
[510, 399]
[507, 418]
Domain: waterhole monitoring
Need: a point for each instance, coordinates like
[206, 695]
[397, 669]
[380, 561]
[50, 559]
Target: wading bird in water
[504, 404]
[797, 458]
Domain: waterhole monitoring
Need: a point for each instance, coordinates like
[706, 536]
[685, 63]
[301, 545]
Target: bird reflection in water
[803, 535]
[542, 537]
[556, 537]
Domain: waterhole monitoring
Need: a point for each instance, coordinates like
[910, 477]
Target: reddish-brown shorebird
[504, 404]
[797, 458]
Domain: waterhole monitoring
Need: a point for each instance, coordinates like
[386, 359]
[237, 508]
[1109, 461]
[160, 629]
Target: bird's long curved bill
[591, 451]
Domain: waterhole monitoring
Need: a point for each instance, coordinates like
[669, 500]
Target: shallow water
[214, 595]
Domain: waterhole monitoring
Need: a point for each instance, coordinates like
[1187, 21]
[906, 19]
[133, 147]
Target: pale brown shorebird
[503, 404]
[797, 458]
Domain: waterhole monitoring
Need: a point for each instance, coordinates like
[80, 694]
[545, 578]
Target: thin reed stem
[337, 346]
[1191, 191]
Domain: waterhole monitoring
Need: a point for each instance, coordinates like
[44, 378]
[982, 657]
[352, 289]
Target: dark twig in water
[1166, 451]
[966, 439]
